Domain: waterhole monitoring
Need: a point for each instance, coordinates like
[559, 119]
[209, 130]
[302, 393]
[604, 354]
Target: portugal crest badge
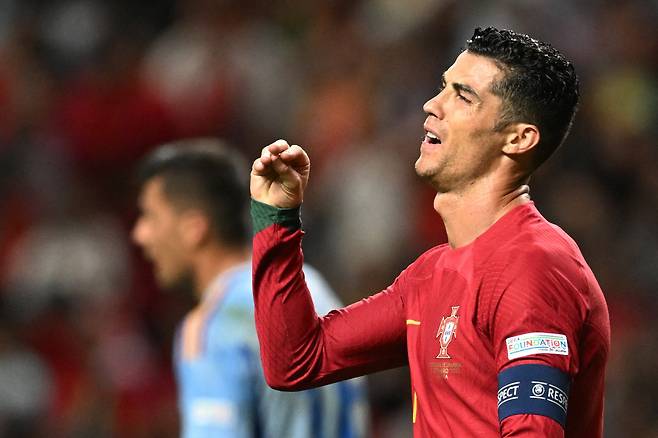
[447, 332]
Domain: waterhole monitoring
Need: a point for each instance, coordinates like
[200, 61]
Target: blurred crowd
[88, 86]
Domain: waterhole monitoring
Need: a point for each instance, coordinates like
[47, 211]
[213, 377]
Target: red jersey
[507, 336]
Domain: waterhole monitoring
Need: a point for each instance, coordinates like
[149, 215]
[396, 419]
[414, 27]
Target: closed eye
[459, 90]
[461, 97]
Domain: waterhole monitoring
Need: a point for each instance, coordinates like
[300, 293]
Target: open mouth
[431, 138]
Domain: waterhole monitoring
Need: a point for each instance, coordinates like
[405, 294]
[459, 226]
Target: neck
[212, 262]
[470, 212]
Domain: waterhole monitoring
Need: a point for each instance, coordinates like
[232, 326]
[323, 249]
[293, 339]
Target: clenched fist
[279, 176]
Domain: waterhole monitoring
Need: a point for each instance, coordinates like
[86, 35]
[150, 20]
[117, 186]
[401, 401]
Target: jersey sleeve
[534, 325]
[300, 349]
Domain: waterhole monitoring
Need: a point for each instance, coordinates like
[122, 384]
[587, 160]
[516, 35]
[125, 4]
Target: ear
[520, 138]
[194, 228]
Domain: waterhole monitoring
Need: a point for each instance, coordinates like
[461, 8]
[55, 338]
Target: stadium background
[88, 86]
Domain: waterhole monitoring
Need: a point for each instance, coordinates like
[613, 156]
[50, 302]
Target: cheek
[170, 259]
[163, 242]
[169, 243]
[483, 150]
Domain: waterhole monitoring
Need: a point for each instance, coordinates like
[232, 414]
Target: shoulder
[539, 266]
[231, 316]
[238, 290]
[420, 270]
[537, 248]
[427, 261]
[432, 254]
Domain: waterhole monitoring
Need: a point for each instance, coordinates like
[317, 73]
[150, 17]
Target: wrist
[263, 215]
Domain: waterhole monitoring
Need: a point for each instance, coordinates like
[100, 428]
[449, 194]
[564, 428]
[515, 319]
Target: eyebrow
[462, 88]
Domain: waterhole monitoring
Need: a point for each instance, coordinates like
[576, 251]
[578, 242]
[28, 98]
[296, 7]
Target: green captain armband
[264, 215]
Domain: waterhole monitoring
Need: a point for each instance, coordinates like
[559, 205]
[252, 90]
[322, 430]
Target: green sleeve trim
[264, 215]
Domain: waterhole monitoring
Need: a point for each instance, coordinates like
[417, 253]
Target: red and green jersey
[507, 336]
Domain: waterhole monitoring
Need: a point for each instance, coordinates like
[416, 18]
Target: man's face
[158, 232]
[460, 143]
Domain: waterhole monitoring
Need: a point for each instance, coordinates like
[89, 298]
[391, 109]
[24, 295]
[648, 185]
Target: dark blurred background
[88, 86]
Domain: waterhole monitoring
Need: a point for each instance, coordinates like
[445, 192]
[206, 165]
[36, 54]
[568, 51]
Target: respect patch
[536, 343]
[533, 389]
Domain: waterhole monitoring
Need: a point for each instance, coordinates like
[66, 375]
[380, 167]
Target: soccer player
[193, 226]
[504, 328]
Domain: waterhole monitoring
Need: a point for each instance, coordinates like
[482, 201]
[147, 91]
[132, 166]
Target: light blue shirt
[222, 391]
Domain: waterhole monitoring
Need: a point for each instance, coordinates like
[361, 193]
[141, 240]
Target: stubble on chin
[422, 172]
[427, 174]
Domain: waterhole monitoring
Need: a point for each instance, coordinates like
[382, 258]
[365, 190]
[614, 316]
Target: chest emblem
[447, 332]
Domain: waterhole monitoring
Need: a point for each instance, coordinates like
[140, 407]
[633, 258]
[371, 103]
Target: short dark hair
[540, 85]
[208, 175]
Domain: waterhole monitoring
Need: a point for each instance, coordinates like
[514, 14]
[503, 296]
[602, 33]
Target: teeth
[432, 138]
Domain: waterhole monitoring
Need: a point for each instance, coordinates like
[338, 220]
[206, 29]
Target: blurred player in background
[504, 328]
[193, 227]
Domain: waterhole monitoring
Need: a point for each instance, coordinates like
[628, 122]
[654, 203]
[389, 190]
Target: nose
[434, 107]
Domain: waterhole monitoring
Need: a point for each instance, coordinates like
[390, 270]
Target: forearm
[285, 316]
[299, 349]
